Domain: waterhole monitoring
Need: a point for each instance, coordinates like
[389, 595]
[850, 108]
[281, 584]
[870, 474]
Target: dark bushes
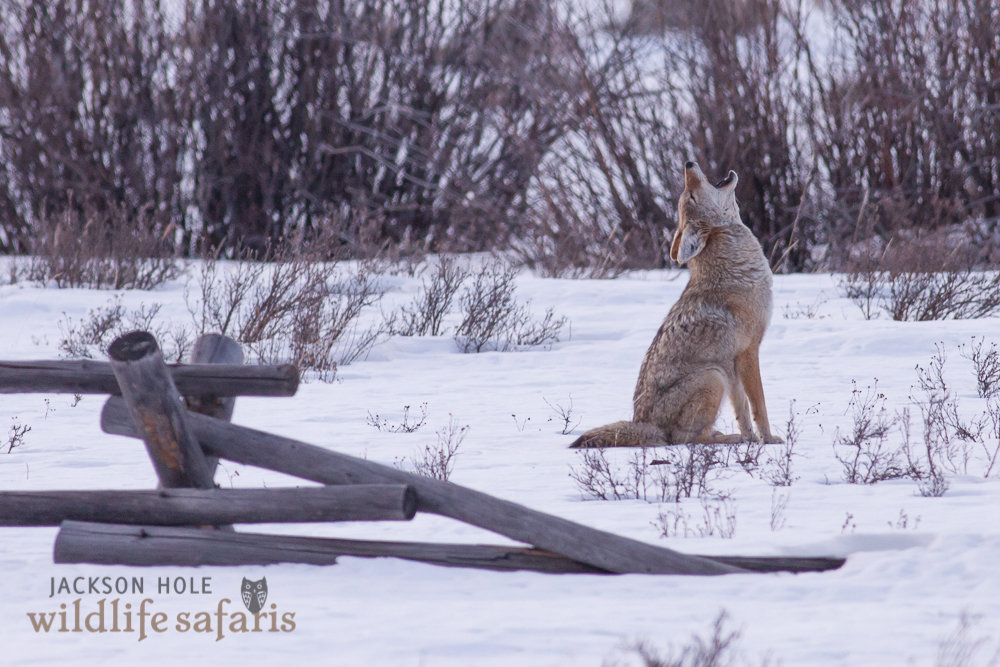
[922, 278]
[908, 131]
[91, 122]
[247, 123]
[398, 126]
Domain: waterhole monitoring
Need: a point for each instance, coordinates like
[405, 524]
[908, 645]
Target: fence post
[155, 405]
[213, 348]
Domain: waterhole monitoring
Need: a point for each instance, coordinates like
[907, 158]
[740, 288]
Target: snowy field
[899, 596]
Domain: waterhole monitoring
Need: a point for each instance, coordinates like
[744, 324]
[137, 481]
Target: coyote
[707, 345]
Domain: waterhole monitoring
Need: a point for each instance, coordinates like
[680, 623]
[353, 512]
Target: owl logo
[254, 594]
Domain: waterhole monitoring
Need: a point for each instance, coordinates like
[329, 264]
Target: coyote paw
[772, 440]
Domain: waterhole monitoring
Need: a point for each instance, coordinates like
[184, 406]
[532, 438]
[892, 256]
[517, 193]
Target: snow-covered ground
[899, 595]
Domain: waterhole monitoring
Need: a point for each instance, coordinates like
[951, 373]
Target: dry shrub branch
[493, 319]
[289, 310]
[101, 250]
[920, 279]
[950, 443]
[720, 647]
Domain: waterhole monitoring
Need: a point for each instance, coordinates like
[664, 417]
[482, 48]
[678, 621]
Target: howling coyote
[707, 346]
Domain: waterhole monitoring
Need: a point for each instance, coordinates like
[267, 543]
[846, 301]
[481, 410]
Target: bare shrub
[564, 415]
[289, 310]
[90, 337]
[15, 436]
[956, 439]
[719, 649]
[692, 469]
[918, 279]
[778, 468]
[948, 442]
[962, 649]
[747, 455]
[960, 295]
[325, 327]
[597, 478]
[950, 439]
[992, 454]
[425, 316]
[937, 412]
[681, 471]
[807, 312]
[600, 479]
[987, 365]
[405, 426]
[718, 518]
[101, 250]
[494, 320]
[97, 330]
[552, 129]
[438, 461]
[925, 467]
[13, 270]
[865, 454]
[865, 289]
[91, 125]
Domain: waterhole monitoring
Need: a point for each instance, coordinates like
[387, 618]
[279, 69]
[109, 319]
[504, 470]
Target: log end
[133, 346]
[409, 502]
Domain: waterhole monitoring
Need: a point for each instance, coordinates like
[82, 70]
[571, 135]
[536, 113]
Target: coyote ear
[687, 243]
[675, 245]
[728, 184]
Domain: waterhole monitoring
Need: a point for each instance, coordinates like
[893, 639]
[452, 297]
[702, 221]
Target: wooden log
[782, 563]
[133, 545]
[96, 377]
[150, 545]
[155, 406]
[587, 545]
[214, 348]
[195, 507]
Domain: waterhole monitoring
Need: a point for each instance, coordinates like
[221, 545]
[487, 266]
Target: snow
[900, 593]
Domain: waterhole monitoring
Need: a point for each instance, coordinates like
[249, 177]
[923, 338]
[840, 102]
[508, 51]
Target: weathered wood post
[80, 542]
[195, 507]
[214, 348]
[85, 376]
[156, 409]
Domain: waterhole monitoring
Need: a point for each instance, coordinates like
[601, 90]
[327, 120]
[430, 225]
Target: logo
[254, 594]
[132, 611]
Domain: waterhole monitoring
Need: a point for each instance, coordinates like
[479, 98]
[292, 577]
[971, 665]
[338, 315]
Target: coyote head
[701, 207]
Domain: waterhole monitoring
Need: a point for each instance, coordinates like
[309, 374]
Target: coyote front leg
[748, 366]
[738, 398]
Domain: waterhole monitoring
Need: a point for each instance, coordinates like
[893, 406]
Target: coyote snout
[707, 345]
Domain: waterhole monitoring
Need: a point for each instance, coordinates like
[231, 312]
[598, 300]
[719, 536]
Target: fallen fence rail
[96, 377]
[154, 545]
[193, 507]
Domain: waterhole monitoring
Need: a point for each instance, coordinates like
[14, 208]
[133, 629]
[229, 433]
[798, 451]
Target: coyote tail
[622, 434]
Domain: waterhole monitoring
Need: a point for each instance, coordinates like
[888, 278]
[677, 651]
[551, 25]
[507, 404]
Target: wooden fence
[182, 413]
